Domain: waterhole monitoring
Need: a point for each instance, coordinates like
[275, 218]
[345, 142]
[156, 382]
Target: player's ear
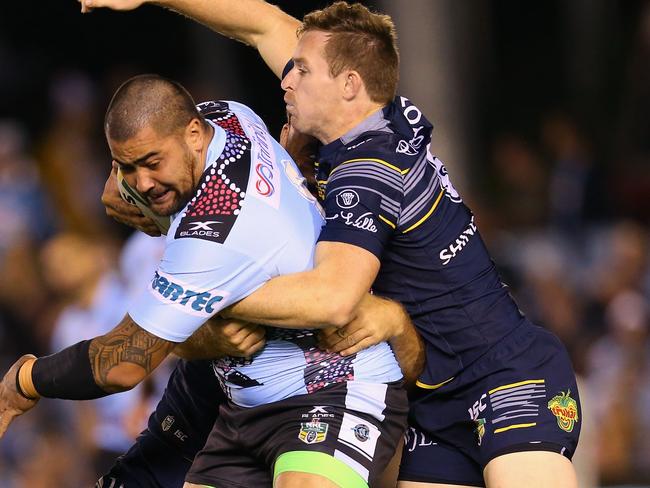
[352, 84]
[194, 133]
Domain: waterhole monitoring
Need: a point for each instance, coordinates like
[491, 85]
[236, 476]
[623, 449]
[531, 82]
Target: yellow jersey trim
[516, 426]
[387, 221]
[428, 214]
[432, 387]
[512, 385]
[380, 161]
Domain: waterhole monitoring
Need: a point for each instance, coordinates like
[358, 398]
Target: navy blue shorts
[178, 429]
[520, 396]
[150, 463]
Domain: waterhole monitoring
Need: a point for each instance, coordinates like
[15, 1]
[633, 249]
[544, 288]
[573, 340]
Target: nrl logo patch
[167, 423]
[480, 429]
[565, 409]
[313, 432]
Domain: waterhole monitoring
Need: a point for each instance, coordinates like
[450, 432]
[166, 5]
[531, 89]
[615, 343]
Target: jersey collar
[375, 122]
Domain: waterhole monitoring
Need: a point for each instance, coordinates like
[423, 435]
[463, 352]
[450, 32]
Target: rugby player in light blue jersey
[296, 415]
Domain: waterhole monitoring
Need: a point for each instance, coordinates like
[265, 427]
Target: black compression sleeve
[67, 375]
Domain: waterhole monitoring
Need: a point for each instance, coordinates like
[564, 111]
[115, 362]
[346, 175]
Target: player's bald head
[148, 101]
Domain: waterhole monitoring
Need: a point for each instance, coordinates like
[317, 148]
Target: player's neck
[199, 167]
[350, 117]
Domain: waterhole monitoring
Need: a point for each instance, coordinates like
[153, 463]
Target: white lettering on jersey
[187, 298]
[265, 171]
[413, 115]
[459, 244]
[363, 221]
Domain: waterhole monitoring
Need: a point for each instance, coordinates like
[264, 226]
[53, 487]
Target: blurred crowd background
[542, 115]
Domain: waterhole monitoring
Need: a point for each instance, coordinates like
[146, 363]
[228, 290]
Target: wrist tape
[24, 383]
[67, 375]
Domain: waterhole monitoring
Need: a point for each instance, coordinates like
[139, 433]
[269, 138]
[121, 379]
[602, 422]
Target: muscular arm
[327, 295]
[254, 22]
[125, 356]
[334, 296]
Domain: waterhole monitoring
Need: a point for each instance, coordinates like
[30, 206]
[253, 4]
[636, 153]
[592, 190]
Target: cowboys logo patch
[347, 199]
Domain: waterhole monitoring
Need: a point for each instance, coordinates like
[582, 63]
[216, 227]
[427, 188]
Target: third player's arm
[254, 22]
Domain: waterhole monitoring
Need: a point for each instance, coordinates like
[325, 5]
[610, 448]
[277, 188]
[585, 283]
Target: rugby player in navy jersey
[497, 403]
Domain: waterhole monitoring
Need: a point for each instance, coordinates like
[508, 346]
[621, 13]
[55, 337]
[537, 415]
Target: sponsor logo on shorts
[478, 407]
[414, 438]
[347, 199]
[480, 429]
[313, 432]
[167, 423]
[565, 410]
[361, 432]
[318, 412]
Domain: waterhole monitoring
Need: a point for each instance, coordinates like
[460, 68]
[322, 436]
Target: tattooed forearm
[126, 343]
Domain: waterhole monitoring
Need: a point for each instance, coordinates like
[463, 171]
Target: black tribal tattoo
[126, 343]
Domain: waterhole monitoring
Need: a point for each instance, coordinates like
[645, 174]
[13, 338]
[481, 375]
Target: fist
[12, 403]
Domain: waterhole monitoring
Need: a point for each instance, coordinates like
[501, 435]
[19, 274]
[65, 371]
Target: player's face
[161, 168]
[312, 95]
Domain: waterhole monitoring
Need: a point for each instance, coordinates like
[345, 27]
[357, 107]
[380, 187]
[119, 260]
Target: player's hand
[368, 328]
[241, 339]
[12, 403]
[89, 5]
[223, 337]
[124, 212]
[302, 149]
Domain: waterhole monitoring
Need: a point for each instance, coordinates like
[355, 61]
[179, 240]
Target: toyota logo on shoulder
[347, 199]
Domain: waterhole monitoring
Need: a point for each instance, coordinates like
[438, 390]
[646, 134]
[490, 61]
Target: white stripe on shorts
[363, 472]
[368, 398]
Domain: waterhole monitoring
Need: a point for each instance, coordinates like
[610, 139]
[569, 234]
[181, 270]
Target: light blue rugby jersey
[251, 219]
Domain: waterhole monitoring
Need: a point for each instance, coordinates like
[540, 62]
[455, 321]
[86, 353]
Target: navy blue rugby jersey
[384, 191]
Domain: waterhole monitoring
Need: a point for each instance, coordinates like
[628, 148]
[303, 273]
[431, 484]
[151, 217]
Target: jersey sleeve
[195, 280]
[362, 204]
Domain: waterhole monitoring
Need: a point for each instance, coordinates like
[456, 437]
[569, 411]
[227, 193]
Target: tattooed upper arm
[116, 353]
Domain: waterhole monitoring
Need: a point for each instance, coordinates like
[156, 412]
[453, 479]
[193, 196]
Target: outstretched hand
[89, 5]
[12, 403]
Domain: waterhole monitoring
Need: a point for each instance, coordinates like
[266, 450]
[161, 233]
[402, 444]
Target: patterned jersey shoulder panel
[224, 181]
